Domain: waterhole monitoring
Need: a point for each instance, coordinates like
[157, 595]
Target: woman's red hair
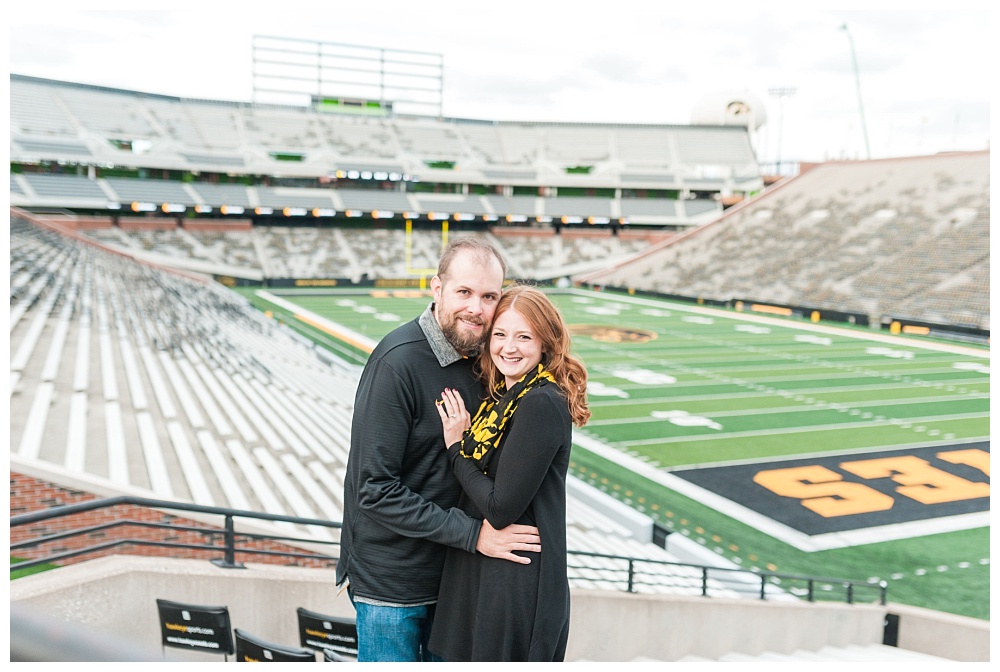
[549, 327]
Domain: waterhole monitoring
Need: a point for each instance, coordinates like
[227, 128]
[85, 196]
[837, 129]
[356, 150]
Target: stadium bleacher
[157, 382]
[310, 252]
[128, 190]
[68, 188]
[218, 195]
[781, 249]
[828, 239]
[197, 136]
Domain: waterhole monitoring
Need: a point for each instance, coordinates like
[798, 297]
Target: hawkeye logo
[827, 493]
[834, 501]
[612, 334]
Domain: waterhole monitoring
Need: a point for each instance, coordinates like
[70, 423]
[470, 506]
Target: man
[400, 493]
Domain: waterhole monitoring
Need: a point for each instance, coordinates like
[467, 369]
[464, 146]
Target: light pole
[781, 93]
[857, 82]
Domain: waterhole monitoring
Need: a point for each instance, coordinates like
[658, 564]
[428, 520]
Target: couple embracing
[453, 546]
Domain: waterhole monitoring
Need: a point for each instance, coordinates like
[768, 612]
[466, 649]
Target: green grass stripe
[848, 381]
[656, 430]
[725, 406]
[610, 412]
[684, 387]
[769, 443]
[875, 393]
[715, 435]
[884, 391]
[343, 350]
[37, 569]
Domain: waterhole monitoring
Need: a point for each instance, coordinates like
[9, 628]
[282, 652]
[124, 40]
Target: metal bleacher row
[138, 376]
[44, 112]
[902, 237]
[311, 252]
[635, 165]
[149, 381]
[68, 190]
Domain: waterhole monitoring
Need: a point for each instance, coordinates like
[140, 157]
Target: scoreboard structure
[332, 76]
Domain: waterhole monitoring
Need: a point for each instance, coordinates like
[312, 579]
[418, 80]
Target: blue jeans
[394, 634]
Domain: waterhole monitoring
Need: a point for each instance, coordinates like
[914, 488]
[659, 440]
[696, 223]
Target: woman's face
[513, 346]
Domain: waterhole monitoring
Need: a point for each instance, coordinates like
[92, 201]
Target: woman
[511, 460]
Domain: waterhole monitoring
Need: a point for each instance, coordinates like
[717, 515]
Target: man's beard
[464, 341]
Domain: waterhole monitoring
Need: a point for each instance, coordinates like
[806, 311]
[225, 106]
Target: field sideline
[783, 445]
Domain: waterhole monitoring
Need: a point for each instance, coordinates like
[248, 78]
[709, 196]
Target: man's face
[466, 298]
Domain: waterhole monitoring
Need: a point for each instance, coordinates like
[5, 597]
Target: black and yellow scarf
[483, 438]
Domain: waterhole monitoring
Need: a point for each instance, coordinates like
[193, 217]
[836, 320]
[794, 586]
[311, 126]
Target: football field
[783, 445]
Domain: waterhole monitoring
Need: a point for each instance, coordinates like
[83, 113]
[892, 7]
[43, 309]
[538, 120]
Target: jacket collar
[443, 349]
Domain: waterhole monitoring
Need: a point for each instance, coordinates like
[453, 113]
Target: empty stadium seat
[253, 649]
[195, 627]
[336, 635]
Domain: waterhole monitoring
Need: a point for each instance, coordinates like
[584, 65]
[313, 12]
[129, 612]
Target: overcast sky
[923, 73]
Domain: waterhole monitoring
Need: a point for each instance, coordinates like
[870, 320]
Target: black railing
[227, 532]
[623, 573]
[646, 575]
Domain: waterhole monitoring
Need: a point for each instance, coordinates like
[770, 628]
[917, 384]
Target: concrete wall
[940, 634]
[116, 596]
[621, 627]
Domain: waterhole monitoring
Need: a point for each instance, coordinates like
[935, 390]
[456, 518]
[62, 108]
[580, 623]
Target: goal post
[424, 273]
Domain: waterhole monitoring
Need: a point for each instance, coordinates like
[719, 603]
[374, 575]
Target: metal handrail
[765, 578]
[228, 531]
[230, 537]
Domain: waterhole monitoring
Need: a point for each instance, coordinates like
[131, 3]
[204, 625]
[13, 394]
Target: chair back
[336, 634]
[195, 627]
[252, 649]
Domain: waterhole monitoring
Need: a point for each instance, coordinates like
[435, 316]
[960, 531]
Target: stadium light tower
[781, 92]
[857, 83]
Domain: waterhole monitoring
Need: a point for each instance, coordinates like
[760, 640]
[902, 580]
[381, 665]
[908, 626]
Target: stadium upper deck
[891, 239]
[99, 129]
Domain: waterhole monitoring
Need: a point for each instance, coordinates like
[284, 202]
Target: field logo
[887, 493]
[606, 334]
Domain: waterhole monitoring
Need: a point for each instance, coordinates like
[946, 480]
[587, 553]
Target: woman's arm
[535, 433]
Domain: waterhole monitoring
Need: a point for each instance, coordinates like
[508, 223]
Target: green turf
[772, 391]
[18, 573]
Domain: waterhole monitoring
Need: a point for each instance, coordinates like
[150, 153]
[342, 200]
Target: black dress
[496, 610]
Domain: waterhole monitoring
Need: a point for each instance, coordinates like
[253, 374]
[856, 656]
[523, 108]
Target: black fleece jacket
[400, 492]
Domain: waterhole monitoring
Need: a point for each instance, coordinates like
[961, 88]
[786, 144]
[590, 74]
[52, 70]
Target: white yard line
[778, 322]
[338, 330]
